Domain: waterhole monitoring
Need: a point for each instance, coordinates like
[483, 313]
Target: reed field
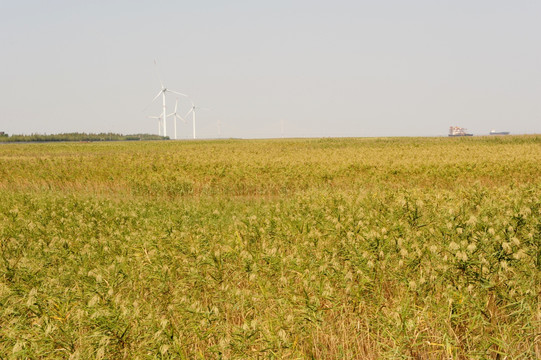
[383, 248]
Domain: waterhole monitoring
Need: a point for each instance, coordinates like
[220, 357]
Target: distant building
[458, 131]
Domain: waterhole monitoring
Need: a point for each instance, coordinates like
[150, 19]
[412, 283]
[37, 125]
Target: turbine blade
[157, 96]
[146, 107]
[174, 92]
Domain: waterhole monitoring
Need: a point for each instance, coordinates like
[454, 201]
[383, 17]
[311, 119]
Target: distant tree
[78, 137]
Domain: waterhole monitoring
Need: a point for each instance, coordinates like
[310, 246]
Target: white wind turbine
[176, 116]
[159, 123]
[163, 93]
[192, 111]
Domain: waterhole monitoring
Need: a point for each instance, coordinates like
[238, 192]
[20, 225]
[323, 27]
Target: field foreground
[318, 248]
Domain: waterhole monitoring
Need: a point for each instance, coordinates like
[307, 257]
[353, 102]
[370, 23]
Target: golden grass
[315, 248]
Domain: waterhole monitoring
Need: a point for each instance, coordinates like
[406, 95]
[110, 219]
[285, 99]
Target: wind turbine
[176, 116]
[163, 93]
[192, 111]
[159, 123]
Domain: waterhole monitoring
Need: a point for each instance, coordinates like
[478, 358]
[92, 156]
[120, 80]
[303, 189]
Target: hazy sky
[323, 68]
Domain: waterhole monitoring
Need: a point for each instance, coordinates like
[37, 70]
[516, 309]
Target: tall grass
[318, 248]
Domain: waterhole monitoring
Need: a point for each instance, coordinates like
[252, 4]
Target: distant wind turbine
[192, 111]
[159, 123]
[176, 116]
[163, 93]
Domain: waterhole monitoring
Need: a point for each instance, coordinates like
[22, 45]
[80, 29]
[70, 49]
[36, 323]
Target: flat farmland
[396, 248]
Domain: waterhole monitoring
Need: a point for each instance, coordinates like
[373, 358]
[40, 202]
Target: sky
[265, 69]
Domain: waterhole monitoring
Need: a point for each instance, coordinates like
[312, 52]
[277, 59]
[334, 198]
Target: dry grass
[319, 248]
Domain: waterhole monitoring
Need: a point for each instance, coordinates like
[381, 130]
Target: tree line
[81, 137]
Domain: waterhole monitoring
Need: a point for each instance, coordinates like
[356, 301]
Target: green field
[384, 248]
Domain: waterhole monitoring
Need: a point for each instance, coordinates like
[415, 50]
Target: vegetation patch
[317, 248]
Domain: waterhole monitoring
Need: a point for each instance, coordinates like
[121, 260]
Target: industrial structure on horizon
[458, 131]
[494, 132]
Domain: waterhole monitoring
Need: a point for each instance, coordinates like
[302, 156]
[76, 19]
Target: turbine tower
[159, 123]
[192, 111]
[163, 93]
[176, 116]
